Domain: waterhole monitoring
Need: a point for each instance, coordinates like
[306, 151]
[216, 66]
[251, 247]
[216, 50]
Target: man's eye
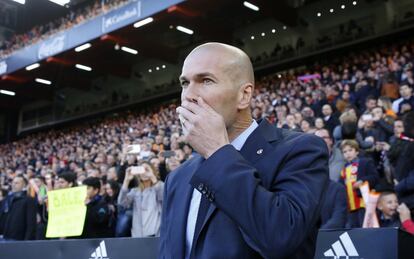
[207, 81]
[184, 84]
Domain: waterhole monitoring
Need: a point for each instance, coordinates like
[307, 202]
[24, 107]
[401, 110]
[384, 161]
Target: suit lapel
[184, 193]
[257, 146]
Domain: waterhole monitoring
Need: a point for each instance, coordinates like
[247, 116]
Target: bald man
[252, 190]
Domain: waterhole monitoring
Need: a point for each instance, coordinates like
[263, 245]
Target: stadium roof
[211, 20]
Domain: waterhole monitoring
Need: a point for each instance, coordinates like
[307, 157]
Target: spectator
[367, 130]
[331, 121]
[172, 163]
[382, 123]
[355, 172]
[401, 156]
[319, 123]
[290, 123]
[18, 213]
[159, 164]
[365, 90]
[306, 126]
[347, 116]
[158, 146]
[398, 129]
[387, 207]
[407, 99]
[98, 214]
[66, 180]
[38, 190]
[112, 189]
[112, 174]
[343, 102]
[389, 89]
[386, 104]
[336, 159]
[145, 200]
[370, 103]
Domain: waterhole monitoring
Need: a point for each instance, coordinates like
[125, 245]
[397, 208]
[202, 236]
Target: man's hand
[357, 184]
[361, 123]
[370, 139]
[404, 212]
[204, 127]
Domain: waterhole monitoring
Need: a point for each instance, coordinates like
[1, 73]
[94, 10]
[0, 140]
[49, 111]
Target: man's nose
[190, 93]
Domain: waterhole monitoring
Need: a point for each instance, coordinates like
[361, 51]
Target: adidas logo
[100, 252]
[344, 247]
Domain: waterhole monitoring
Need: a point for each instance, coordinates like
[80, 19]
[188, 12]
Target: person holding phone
[145, 200]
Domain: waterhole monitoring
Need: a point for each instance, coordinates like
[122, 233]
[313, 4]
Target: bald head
[223, 77]
[233, 61]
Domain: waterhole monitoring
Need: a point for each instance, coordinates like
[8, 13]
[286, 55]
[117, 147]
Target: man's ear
[245, 96]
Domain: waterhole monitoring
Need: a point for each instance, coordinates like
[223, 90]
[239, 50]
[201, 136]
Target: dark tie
[202, 212]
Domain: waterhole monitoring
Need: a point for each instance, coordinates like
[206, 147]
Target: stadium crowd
[42, 32]
[361, 105]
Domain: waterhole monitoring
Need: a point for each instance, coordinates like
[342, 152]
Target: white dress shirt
[237, 143]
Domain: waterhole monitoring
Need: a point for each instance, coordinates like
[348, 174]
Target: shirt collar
[355, 160]
[238, 142]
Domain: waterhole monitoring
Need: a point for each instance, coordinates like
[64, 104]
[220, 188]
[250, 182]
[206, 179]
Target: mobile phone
[168, 153]
[367, 117]
[136, 170]
[134, 149]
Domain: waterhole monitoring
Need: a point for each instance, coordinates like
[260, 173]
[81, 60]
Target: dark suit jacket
[19, 221]
[265, 199]
[334, 210]
[97, 219]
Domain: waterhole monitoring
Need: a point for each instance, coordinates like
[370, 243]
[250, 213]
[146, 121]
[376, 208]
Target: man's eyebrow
[199, 75]
[205, 74]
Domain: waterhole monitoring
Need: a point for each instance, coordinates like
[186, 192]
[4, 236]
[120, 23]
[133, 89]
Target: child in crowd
[387, 210]
[355, 172]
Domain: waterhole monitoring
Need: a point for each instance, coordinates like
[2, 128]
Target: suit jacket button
[200, 187]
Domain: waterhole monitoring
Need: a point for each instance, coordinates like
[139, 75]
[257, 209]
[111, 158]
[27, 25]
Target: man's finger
[192, 107]
[185, 115]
